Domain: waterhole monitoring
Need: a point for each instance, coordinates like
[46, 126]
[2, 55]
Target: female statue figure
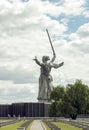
[45, 79]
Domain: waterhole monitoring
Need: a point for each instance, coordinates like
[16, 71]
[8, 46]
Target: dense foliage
[70, 100]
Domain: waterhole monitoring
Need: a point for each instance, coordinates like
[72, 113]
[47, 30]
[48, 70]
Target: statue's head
[45, 58]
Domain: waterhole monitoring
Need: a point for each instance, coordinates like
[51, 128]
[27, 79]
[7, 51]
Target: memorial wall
[24, 110]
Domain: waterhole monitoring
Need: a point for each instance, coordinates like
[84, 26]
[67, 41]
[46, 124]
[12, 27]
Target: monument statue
[45, 79]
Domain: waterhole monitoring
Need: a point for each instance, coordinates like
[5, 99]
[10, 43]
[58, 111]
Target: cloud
[73, 7]
[18, 75]
[80, 39]
[83, 31]
[17, 92]
[65, 7]
[23, 36]
[77, 53]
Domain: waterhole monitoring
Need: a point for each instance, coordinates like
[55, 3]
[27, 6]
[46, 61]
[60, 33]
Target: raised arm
[54, 55]
[57, 65]
[37, 61]
[53, 59]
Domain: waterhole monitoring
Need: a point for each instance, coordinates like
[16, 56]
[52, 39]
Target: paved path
[37, 125]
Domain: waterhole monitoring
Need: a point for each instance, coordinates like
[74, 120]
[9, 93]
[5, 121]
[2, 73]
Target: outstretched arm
[57, 65]
[37, 61]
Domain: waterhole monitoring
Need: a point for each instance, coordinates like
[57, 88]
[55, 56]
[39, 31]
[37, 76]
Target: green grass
[47, 128]
[28, 128]
[64, 126]
[12, 126]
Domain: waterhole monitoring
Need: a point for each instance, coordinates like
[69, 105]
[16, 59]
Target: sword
[51, 43]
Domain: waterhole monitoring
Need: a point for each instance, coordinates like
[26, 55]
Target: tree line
[70, 100]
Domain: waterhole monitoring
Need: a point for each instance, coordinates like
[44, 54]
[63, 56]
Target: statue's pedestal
[46, 107]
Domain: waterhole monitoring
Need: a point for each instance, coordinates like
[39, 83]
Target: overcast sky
[23, 36]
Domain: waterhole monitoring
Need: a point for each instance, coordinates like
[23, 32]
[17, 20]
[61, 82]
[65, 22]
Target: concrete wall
[24, 110]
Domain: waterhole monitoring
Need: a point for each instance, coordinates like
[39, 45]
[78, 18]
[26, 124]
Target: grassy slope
[12, 126]
[47, 128]
[65, 126]
[28, 128]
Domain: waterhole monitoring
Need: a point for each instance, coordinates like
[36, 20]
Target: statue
[45, 79]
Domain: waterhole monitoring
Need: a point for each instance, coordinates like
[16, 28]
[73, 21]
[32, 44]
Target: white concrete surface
[37, 125]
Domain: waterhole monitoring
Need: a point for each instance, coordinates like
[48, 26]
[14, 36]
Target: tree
[77, 95]
[72, 100]
[52, 110]
[57, 93]
[56, 96]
